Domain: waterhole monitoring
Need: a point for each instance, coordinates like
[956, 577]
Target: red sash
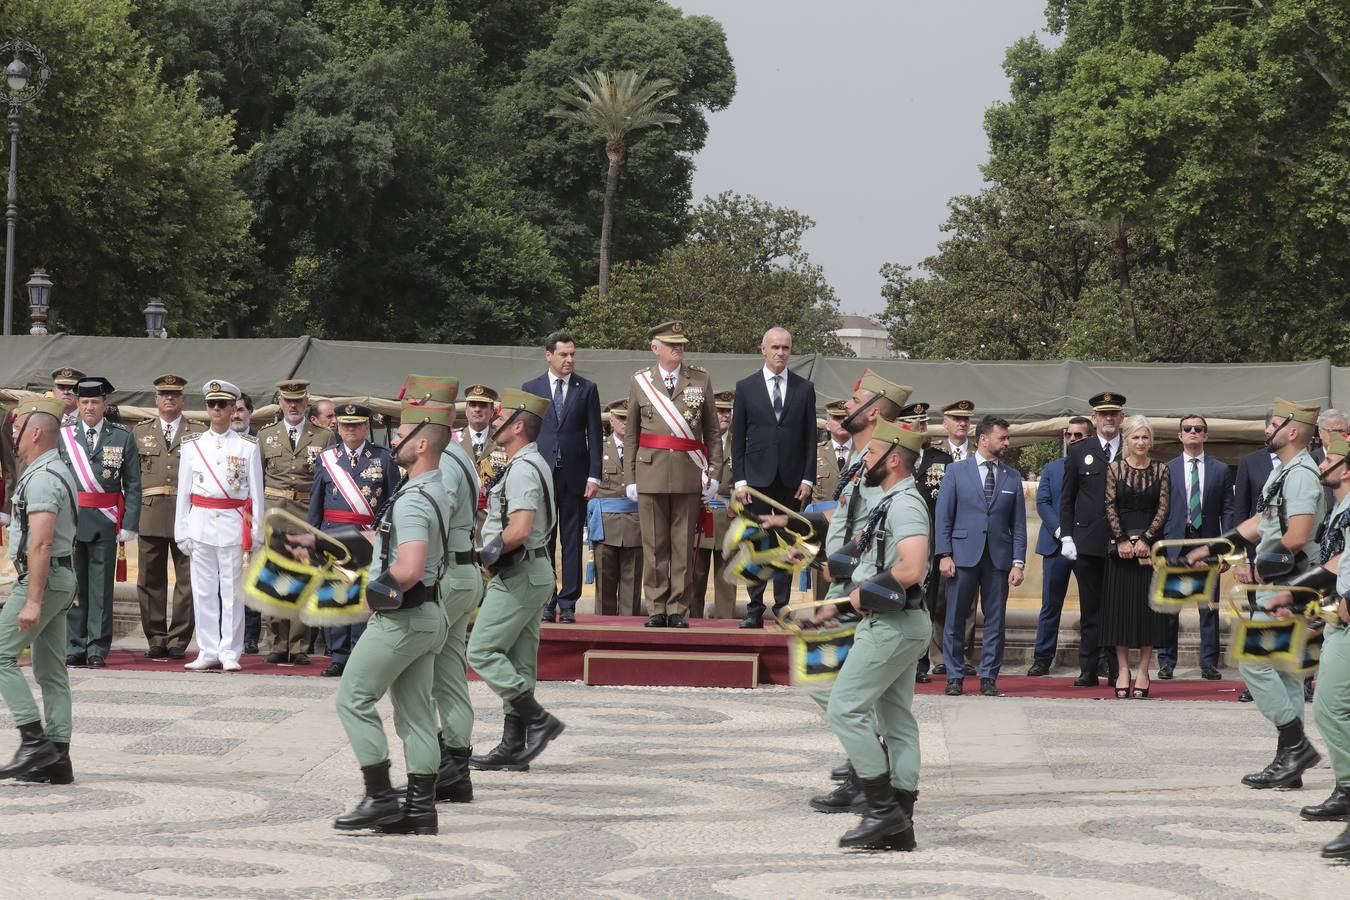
[670, 442]
[245, 508]
[343, 517]
[92, 500]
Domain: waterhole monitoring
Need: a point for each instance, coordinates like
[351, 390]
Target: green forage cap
[902, 435]
[896, 393]
[514, 399]
[429, 388]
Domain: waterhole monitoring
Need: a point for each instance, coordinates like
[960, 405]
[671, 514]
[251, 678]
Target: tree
[615, 107]
[742, 270]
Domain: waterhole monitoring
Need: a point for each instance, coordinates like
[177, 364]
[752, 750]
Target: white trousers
[216, 575]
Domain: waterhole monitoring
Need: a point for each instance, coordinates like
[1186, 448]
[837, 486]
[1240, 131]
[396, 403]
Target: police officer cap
[1107, 401]
[97, 386]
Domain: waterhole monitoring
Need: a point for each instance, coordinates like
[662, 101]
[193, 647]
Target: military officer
[612, 524]
[874, 693]
[709, 559]
[397, 654]
[158, 443]
[956, 422]
[108, 471]
[290, 458]
[677, 459]
[933, 462]
[354, 481]
[217, 519]
[480, 405]
[831, 459]
[64, 381]
[41, 543]
[504, 646]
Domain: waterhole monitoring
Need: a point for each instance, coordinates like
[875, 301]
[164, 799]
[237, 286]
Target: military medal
[311, 455]
[235, 473]
[693, 402]
[374, 472]
[935, 473]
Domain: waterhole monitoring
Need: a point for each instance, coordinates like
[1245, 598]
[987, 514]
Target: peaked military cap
[724, 399]
[617, 408]
[353, 414]
[961, 409]
[216, 389]
[480, 393]
[915, 413]
[523, 400]
[66, 376]
[669, 332]
[1107, 401]
[1288, 409]
[898, 433]
[169, 384]
[96, 386]
[896, 393]
[293, 389]
[836, 409]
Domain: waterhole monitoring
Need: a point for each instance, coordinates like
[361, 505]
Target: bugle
[1291, 643]
[1177, 584]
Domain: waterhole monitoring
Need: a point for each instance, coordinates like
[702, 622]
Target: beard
[876, 474]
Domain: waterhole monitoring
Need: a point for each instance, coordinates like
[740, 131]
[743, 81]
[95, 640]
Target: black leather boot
[35, 752]
[841, 771]
[419, 808]
[905, 840]
[59, 772]
[883, 819]
[1339, 848]
[503, 757]
[1294, 755]
[452, 781]
[1334, 808]
[380, 804]
[541, 727]
[846, 797]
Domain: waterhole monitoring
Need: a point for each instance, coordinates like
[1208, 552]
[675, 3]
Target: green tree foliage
[1170, 183]
[742, 270]
[127, 186]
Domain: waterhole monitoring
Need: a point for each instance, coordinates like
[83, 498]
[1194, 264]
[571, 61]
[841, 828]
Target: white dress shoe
[202, 662]
[230, 665]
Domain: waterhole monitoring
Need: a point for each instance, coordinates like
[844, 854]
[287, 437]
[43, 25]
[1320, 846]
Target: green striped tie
[1193, 500]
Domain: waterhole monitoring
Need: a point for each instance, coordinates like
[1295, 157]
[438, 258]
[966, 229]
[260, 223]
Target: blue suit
[983, 541]
[1216, 517]
[1055, 569]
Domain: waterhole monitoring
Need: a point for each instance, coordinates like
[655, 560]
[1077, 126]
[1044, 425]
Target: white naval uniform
[215, 535]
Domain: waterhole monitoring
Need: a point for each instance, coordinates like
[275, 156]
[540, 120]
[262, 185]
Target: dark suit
[773, 454]
[928, 475]
[1055, 569]
[983, 539]
[1216, 517]
[571, 440]
[1252, 472]
[1082, 516]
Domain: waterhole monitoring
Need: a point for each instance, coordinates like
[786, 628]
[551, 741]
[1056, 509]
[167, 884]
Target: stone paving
[225, 786]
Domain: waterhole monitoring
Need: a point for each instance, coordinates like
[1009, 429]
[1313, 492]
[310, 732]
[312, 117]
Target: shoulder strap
[386, 527]
[548, 495]
[468, 477]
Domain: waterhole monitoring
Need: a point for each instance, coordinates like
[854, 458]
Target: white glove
[1067, 549]
[186, 547]
[123, 536]
[631, 492]
[4, 520]
[1056, 534]
[710, 491]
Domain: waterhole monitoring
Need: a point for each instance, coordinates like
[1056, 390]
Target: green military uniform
[47, 486]
[288, 477]
[874, 692]
[105, 462]
[709, 559]
[155, 545]
[487, 458]
[856, 500]
[1331, 703]
[618, 554]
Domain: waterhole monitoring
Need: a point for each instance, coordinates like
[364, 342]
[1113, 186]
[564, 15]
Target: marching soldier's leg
[1331, 708]
[371, 670]
[654, 512]
[894, 715]
[152, 589]
[450, 676]
[607, 577]
[685, 511]
[49, 656]
[499, 624]
[180, 630]
[1279, 697]
[102, 570]
[410, 691]
[531, 585]
[77, 619]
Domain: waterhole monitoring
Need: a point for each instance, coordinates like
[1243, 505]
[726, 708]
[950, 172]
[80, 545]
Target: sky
[866, 115]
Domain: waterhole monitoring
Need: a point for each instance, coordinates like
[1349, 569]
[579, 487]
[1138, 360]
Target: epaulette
[275, 424]
[119, 426]
[251, 438]
[693, 368]
[190, 437]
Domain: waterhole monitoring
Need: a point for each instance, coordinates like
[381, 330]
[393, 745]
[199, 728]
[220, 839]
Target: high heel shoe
[1123, 693]
[1139, 693]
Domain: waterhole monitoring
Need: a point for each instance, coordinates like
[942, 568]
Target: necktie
[1193, 496]
[293, 437]
[988, 484]
[840, 457]
[958, 454]
[1108, 452]
[168, 434]
[619, 448]
[670, 385]
[777, 398]
[557, 399]
[91, 438]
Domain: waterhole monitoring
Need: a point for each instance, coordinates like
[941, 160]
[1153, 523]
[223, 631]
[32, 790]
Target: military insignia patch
[272, 440]
[148, 441]
[112, 457]
[1087, 460]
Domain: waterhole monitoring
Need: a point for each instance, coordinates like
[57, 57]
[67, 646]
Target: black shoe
[275, 659]
[157, 653]
[1309, 688]
[842, 799]
[541, 727]
[883, 819]
[1334, 808]
[922, 677]
[250, 648]
[1038, 668]
[953, 687]
[548, 615]
[905, 840]
[76, 659]
[97, 662]
[1245, 696]
[754, 618]
[380, 804]
[334, 670]
[59, 772]
[1085, 679]
[300, 659]
[840, 772]
[1165, 673]
[1294, 755]
[502, 758]
[35, 752]
[656, 621]
[939, 669]
[418, 815]
[676, 621]
[568, 617]
[182, 654]
[988, 687]
[1209, 673]
[453, 784]
[1339, 848]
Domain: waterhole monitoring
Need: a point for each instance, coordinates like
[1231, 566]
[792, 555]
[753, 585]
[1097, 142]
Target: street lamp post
[39, 300]
[155, 314]
[21, 87]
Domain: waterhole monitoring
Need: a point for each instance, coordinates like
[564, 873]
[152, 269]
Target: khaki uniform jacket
[487, 472]
[159, 472]
[288, 475]
[657, 471]
[117, 467]
[621, 529]
[827, 471]
[721, 521]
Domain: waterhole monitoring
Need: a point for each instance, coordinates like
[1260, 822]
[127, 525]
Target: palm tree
[615, 107]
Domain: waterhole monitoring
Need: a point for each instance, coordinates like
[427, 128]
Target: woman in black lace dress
[1137, 492]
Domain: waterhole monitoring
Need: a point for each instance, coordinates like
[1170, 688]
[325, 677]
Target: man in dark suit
[1083, 531]
[1055, 569]
[773, 446]
[981, 541]
[1201, 505]
[570, 440]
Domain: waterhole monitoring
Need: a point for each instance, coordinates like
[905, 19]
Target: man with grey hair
[1331, 422]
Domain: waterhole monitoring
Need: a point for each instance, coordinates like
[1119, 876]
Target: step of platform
[661, 668]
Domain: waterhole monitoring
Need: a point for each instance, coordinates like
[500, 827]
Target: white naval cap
[216, 389]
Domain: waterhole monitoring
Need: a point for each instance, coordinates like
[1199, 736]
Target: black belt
[416, 595]
[64, 562]
[465, 557]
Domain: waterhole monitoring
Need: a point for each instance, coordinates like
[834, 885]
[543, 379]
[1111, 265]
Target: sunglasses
[1075, 435]
[1194, 429]
[218, 404]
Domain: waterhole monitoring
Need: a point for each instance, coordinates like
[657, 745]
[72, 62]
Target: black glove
[1235, 538]
[1319, 578]
[383, 592]
[492, 551]
[843, 561]
[1274, 563]
[348, 541]
[883, 592]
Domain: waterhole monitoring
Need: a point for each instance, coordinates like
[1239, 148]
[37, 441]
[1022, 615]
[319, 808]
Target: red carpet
[135, 661]
[1062, 688]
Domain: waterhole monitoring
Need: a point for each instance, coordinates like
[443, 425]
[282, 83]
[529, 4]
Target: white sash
[665, 408]
[345, 483]
[84, 470]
